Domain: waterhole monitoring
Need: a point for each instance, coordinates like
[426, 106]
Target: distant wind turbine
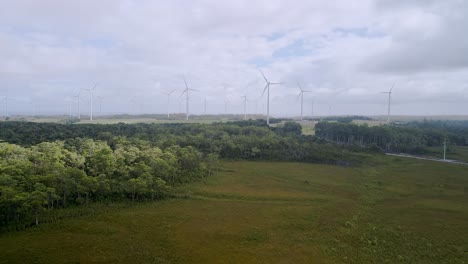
[312, 109]
[301, 95]
[100, 98]
[168, 101]
[78, 99]
[187, 98]
[245, 105]
[267, 88]
[91, 91]
[226, 100]
[5, 99]
[204, 106]
[389, 101]
[69, 100]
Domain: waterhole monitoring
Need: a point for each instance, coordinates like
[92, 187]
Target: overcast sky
[345, 52]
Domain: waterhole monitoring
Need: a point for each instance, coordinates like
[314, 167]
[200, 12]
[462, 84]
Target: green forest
[46, 166]
[414, 137]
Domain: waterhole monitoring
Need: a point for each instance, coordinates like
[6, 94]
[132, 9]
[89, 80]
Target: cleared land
[401, 211]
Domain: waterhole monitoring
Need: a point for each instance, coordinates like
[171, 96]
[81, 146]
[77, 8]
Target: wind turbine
[187, 97]
[312, 108]
[245, 106]
[5, 99]
[267, 88]
[389, 101]
[69, 100]
[78, 99]
[226, 101]
[168, 100]
[204, 106]
[91, 91]
[301, 94]
[100, 98]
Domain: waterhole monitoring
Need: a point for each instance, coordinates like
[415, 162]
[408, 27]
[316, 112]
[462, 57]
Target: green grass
[454, 152]
[402, 211]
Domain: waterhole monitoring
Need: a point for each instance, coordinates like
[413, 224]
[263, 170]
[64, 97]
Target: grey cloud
[430, 46]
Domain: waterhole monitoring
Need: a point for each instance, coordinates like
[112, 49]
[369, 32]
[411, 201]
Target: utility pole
[445, 148]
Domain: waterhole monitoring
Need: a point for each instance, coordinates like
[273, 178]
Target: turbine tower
[91, 91]
[226, 101]
[168, 100]
[267, 88]
[78, 99]
[312, 110]
[389, 101]
[5, 99]
[204, 106]
[187, 98]
[245, 106]
[301, 95]
[100, 98]
[69, 100]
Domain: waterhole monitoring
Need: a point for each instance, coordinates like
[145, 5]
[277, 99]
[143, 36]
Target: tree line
[248, 140]
[413, 137]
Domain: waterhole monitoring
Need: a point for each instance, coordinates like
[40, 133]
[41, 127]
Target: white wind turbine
[5, 99]
[168, 101]
[187, 98]
[301, 95]
[78, 99]
[69, 100]
[245, 106]
[389, 101]
[204, 106]
[312, 108]
[226, 100]
[91, 92]
[267, 88]
[100, 98]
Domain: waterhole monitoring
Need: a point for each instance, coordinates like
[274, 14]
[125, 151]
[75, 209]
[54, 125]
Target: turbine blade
[186, 86]
[392, 87]
[276, 83]
[264, 89]
[300, 87]
[266, 80]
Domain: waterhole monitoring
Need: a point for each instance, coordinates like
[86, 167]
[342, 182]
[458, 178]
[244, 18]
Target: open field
[454, 153]
[263, 212]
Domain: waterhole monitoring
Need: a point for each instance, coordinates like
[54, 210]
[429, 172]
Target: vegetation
[75, 183]
[250, 140]
[402, 211]
[414, 137]
[37, 180]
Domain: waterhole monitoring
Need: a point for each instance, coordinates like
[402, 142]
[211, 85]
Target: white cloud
[346, 52]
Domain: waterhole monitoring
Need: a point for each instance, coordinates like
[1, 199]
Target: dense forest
[60, 174]
[45, 166]
[413, 137]
[251, 140]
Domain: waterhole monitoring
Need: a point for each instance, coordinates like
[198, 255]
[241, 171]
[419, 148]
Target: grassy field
[454, 152]
[402, 211]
